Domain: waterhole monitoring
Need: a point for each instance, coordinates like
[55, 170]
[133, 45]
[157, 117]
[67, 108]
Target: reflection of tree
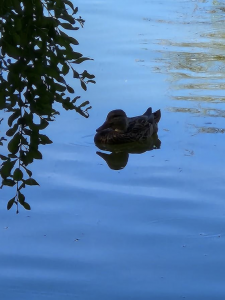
[35, 56]
[196, 67]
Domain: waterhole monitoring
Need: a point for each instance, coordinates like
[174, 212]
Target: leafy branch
[35, 56]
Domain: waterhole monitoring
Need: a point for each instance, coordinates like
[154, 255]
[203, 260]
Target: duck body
[119, 129]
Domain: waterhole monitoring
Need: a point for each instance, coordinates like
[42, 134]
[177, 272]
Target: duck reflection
[118, 158]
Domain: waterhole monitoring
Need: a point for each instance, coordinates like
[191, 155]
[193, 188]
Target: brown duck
[119, 129]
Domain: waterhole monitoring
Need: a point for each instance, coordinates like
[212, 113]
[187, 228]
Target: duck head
[115, 120]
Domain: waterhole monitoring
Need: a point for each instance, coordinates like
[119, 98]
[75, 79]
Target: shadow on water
[119, 156]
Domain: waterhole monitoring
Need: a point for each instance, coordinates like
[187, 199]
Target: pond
[153, 226]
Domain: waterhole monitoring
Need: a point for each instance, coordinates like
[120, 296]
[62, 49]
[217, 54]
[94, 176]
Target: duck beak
[104, 126]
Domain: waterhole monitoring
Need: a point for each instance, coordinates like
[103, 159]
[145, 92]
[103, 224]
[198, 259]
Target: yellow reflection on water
[196, 66]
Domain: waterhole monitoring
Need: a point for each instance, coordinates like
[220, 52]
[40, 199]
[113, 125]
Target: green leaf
[84, 104]
[59, 87]
[28, 171]
[13, 145]
[73, 41]
[76, 55]
[75, 99]
[61, 79]
[2, 100]
[75, 74]
[22, 186]
[83, 85]
[75, 10]
[18, 175]
[26, 205]
[12, 131]
[69, 89]
[69, 3]
[36, 154]
[3, 157]
[31, 181]
[68, 105]
[44, 124]
[8, 182]
[67, 26]
[12, 156]
[7, 168]
[68, 18]
[92, 81]
[85, 74]
[44, 139]
[10, 203]
[14, 116]
[17, 7]
[80, 60]
[65, 69]
[21, 198]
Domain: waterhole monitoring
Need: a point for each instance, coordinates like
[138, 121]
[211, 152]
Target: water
[154, 229]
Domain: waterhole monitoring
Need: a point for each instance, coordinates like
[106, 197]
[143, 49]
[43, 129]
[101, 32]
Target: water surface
[154, 229]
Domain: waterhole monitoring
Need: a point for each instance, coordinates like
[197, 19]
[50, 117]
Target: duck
[120, 129]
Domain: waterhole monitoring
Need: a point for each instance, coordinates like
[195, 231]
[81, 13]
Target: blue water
[154, 229]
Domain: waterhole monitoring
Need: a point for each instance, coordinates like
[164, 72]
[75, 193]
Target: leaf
[21, 198]
[30, 181]
[2, 100]
[7, 168]
[10, 203]
[75, 99]
[17, 175]
[3, 157]
[59, 87]
[13, 145]
[14, 116]
[76, 55]
[28, 171]
[75, 74]
[68, 105]
[36, 154]
[17, 7]
[83, 85]
[92, 81]
[73, 41]
[84, 104]
[8, 182]
[65, 69]
[12, 155]
[80, 60]
[69, 3]
[44, 124]
[27, 158]
[26, 206]
[69, 89]
[68, 18]
[75, 10]
[85, 74]
[22, 186]
[67, 26]
[12, 131]
[61, 79]
[44, 139]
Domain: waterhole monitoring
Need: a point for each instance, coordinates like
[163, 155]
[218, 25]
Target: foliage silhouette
[35, 56]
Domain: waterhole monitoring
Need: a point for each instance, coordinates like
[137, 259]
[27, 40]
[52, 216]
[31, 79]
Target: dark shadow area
[119, 156]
